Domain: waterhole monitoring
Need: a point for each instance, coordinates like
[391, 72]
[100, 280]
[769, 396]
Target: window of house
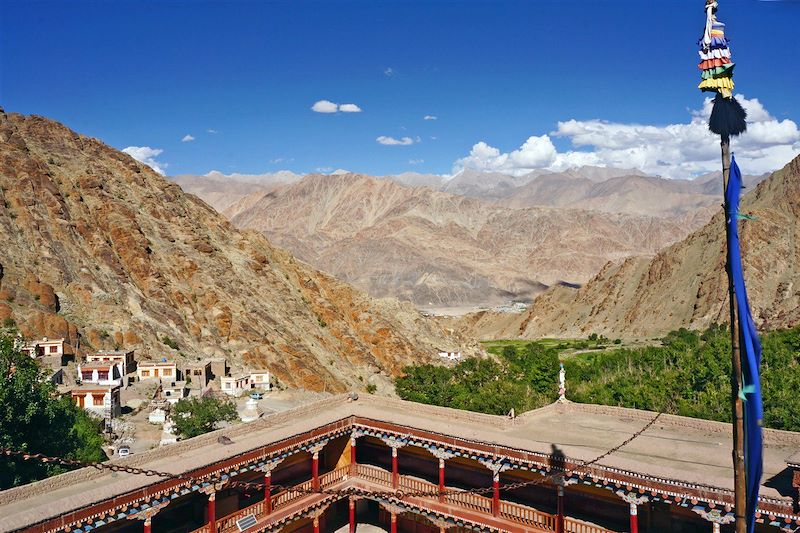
[227, 385]
[167, 372]
[54, 349]
[198, 372]
[145, 373]
[97, 399]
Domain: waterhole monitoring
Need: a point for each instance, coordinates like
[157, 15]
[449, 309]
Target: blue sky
[146, 74]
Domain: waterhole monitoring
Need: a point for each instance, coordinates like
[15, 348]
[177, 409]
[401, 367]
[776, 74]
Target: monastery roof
[91, 365]
[156, 363]
[691, 451]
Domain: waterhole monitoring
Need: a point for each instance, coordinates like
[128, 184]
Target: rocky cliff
[684, 285]
[101, 250]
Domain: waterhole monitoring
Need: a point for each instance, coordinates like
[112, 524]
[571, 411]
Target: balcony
[471, 507]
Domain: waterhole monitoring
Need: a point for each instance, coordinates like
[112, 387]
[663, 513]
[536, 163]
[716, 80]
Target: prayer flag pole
[727, 119]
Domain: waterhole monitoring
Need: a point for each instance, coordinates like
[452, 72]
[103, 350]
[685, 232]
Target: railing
[466, 500]
[371, 473]
[228, 523]
[576, 526]
[333, 476]
[476, 502]
[527, 515]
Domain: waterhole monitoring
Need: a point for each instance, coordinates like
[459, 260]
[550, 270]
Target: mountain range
[684, 285]
[440, 249]
[103, 251]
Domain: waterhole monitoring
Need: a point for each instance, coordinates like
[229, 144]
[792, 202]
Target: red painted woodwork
[352, 516]
[393, 529]
[496, 496]
[634, 519]
[268, 493]
[315, 471]
[441, 480]
[395, 476]
[212, 512]
[316, 525]
[147, 525]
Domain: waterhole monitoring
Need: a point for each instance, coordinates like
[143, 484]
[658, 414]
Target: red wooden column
[147, 525]
[496, 494]
[352, 504]
[395, 471]
[268, 491]
[393, 519]
[315, 470]
[560, 515]
[634, 518]
[316, 524]
[212, 512]
[441, 480]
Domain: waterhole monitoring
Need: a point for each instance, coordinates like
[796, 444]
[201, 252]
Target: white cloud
[673, 150]
[187, 138]
[391, 141]
[211, 131]
[415, 161]
[147, 155]
[430, 117]
[389, 72]
[349, 108]
[324, 106]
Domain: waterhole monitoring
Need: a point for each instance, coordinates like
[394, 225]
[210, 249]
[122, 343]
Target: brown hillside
[100, 249]
[432, 247]
[683, 285]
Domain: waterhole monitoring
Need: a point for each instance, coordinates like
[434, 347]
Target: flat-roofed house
[115, 356]
[101, 373]
[173, 391]
[44, 346]
[235, 385]
[166, 370]
[260, 379]
[197, 374]
[103, 401]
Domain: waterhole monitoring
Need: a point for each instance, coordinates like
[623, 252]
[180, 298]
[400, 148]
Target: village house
[125, 358]
[452, 356]
[100, 400]
[43, 347]
[219, 367]
[100, 373]
[197, 374]
[165, 370]
[260, 379]
[235, 385]
[173, 391]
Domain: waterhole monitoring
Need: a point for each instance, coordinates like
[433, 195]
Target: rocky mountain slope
[440, 249]
[684, 285]
[101, 250]
[633, 193]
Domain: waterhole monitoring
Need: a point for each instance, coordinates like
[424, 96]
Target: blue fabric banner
[750, 353]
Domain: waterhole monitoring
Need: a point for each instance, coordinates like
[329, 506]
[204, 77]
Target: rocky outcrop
[101, 250]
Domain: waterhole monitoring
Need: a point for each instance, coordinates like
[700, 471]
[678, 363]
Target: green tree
[34, 419]
[195, 416]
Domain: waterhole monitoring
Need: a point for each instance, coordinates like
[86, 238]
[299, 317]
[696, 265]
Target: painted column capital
[495, 466]
[394, 443]
[716, 516]
[270, 466]
[441, 453]
[394, 510]
[318, 447]
[632, 498]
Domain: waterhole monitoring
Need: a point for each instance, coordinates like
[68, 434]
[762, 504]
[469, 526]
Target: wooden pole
[737, 407]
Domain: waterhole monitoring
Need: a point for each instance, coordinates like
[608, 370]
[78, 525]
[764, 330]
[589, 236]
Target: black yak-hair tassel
[728, 117]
